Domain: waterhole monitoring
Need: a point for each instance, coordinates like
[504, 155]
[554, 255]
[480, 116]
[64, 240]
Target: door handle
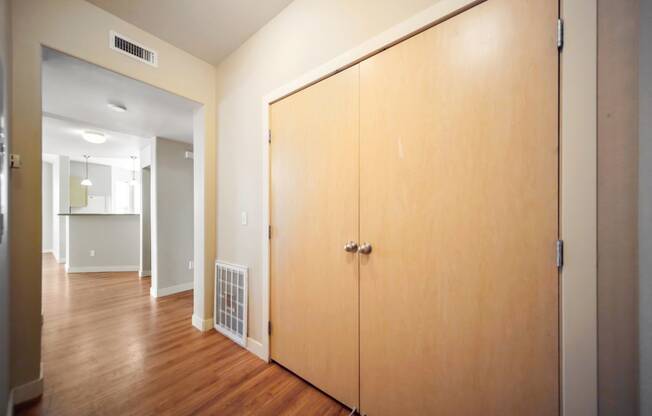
[351, 247]
[365, 248]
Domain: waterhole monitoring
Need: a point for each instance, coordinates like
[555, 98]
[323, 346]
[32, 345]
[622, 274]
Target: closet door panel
[314, 213]
[459, 199]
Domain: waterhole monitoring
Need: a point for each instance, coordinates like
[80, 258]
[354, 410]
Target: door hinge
[560, 34]
[560, 253]
[269, 232]
[269, 327]
[269, 136]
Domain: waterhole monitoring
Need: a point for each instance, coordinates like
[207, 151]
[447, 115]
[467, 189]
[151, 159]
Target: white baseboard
[257, 349]
[166, 291]
[46, 251]
[144, 273]
[202, 324]
[101, 269]
[26, 392]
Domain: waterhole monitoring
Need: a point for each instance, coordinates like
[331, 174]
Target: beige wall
[618, 153]
[81, 30]
[282, 51]
[307, 34]
[578, 208]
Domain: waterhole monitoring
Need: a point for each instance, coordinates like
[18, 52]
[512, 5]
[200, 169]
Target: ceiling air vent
[130, 48]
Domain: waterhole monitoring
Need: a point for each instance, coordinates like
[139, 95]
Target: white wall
[60, 204]
[113, 238]
[47, 212]
[123, 176]
[306, 35]
[171, 217]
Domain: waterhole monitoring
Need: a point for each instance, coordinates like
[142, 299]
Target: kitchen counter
[73, 214]
[102, 242]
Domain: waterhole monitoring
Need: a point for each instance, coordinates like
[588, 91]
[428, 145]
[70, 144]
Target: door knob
[365, 248]
[351, 247]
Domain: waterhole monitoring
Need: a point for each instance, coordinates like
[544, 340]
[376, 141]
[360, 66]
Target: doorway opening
[118, 195]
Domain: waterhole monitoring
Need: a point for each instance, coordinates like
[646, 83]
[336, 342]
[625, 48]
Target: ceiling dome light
[119, 108]
[94, 137]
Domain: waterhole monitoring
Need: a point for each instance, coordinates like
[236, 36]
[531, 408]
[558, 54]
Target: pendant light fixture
[86, 181]
[133, 171]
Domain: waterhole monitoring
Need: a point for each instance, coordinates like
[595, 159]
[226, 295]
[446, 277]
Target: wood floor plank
[111, 349]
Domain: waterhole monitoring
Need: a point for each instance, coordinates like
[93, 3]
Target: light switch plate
[243, 218]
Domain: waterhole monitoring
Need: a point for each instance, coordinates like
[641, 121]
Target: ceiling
[77, 90]
[63, 137]
[208, 29]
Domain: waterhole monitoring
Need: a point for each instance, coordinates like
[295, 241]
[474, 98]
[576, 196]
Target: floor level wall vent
[231, 301]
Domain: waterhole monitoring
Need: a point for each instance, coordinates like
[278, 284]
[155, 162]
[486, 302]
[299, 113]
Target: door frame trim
[577, 191]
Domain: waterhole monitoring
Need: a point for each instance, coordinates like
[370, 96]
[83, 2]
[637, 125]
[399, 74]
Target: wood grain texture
[314, 212]
[459, 198]
[111, 349]
[618, 156]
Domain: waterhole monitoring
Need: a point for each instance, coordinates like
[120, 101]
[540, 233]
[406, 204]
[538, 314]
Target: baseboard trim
[202, 324]
[101, 269]
[10, 403]
[256, 348]
[167, 291]
[46, 251]
[144, 273]
[26, 392]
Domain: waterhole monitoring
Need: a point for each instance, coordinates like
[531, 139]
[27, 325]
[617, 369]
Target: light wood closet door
[459, 199]
[314, 213]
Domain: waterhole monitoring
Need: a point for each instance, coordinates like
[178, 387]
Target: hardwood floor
[111, 349]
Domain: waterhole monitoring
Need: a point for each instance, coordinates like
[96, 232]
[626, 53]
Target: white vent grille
[128, 47]
[231, 301]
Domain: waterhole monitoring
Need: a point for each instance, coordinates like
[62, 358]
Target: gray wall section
[645, 207]
[47, 211]
[172, 177]
[145, 223]
[114, 238]
[100, 175]
[4, 237]
[60, 189]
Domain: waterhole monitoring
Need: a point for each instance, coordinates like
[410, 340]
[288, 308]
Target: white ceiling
[208, 29]
[76, 90]
[63, 137]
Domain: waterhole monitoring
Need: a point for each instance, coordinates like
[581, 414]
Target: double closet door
[414, 213]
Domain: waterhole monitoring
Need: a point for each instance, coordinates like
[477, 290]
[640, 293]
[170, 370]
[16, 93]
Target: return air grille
[231, 301]
[130, 48]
